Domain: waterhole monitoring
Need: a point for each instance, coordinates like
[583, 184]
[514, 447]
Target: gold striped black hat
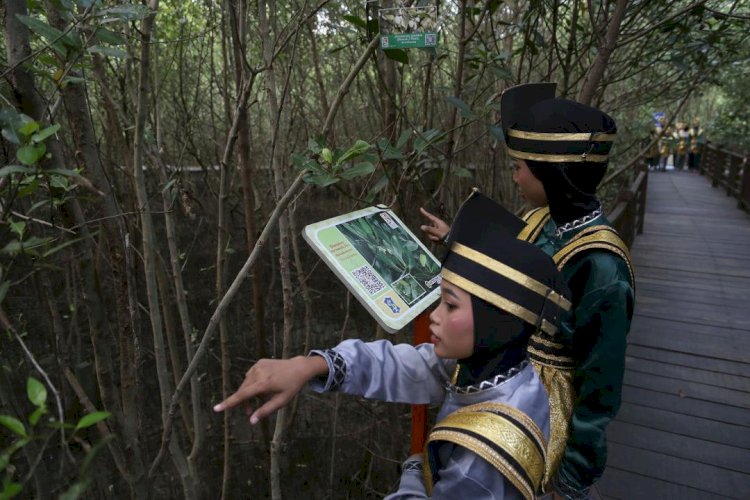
[537, 126]
[488, 261]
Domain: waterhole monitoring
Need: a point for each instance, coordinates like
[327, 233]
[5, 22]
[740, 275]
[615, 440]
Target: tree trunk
[606, 46]
[149, 242]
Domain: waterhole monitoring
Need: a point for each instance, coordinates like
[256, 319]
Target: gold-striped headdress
[487, 260]
[540, 127]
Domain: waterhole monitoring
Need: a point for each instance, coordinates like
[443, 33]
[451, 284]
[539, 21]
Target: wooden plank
[647, 289]
[686, 406]
[618, 483]
[680, 446]
[683, 472]
[690, 390]
[690, 373]
[706, 263]
[675, 321]
[684, 427]
[706, 315]
[718, 365]
[687, 425]
[729, 347]
[688, 276]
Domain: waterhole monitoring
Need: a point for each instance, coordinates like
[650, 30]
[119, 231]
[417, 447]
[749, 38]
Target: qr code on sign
[368, 279]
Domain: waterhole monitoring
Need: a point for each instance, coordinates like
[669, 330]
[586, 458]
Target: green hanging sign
[408, 27]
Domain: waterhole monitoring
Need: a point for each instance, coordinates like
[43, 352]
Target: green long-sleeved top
[603, 299]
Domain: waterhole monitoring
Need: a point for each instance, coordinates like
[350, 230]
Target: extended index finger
[244, 393]
[428, 215]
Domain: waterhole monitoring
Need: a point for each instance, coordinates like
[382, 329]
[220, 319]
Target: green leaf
[91, 419]
[422, 260]
[37, 414]
[4, 286]
[392, 153]
[36, 392]
[427, 138]
[314, 145]
[462, 106]
[10, 489]
[18, 227]
[110, 37]
[379, 185]
[59, 181]
[44, 30]
[403, 138]
[462, 172]
[12, 248]
[108, 51]
[29, 128]
[304, 163]
[359, 148]
[15, 169]
[59, 247]
[327, 155]
[127, 12]
[358, 170]
[398, 55]
[10, 135]
[72, 80]
[356, 21]
[168, 185]
[322, 180]
[40, 136]
[64, 172]
[30, 185]
[29, 155]
[4, 461]
[14, 425]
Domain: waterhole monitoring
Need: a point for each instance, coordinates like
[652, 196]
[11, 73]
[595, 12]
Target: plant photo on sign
[409, 289]
[396, 257]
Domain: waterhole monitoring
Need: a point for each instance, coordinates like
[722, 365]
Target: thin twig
[8, 326]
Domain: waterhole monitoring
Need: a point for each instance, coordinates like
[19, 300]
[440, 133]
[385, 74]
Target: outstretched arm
[277, 381]
[436, 228]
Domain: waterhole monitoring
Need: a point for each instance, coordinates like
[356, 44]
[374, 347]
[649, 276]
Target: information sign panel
[380, 261]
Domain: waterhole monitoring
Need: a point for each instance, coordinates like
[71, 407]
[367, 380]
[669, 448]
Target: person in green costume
[560, 150]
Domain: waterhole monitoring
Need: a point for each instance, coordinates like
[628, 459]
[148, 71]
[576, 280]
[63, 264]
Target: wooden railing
[630, 208]
[728, 170]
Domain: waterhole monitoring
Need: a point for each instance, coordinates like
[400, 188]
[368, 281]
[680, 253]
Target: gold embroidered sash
[504, 436]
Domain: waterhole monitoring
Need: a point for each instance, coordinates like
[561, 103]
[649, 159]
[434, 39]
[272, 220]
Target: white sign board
[381, 262]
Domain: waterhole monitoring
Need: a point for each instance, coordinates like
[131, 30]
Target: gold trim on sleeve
[550, 357]
[599, 237]
[500, 425]
[535, 221]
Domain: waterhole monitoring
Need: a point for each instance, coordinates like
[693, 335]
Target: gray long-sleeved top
[406, 374]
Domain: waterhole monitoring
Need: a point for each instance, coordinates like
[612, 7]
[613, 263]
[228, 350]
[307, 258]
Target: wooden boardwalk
[684, 428]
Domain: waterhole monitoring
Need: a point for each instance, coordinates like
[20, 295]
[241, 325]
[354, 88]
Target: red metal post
[419, 412]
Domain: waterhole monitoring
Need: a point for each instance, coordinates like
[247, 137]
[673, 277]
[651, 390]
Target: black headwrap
[515, 287]
[565, 143]
[570, 188]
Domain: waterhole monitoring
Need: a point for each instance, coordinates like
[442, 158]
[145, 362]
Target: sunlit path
[684, 427]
